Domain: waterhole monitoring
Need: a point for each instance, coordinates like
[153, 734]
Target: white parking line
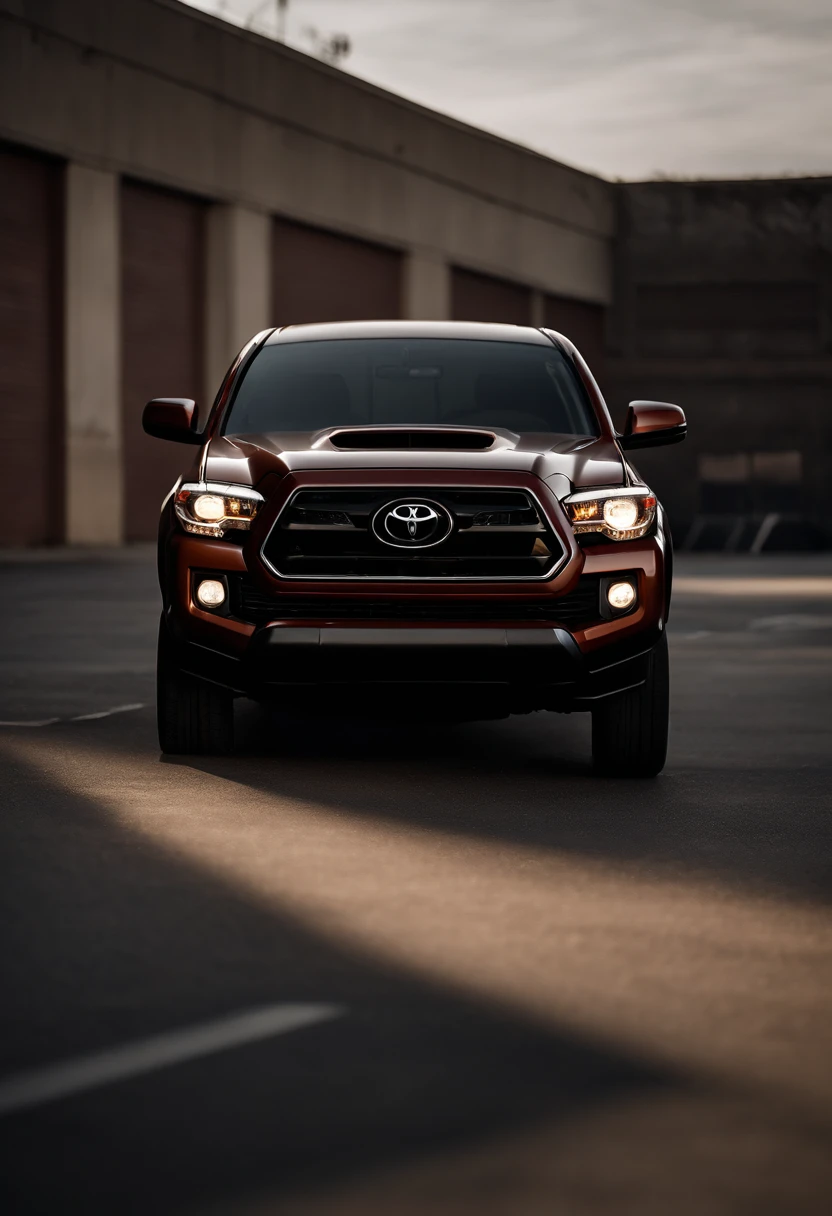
[103, 713]
[789, 621]
[41, 1085]
[42, 722]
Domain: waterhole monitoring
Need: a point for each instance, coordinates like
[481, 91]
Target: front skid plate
[524, 668]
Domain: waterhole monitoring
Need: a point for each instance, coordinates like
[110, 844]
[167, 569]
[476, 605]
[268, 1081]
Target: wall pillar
[238, 287]
[94, 508]
[427, 288]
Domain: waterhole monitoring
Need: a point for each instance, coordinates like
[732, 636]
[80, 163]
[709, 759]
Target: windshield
[309, 386]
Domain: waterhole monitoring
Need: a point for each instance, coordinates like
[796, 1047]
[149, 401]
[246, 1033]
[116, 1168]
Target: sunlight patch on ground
[646, 963]
[819, 587]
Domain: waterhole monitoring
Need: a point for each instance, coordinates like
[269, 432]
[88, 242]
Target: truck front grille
[579, 607]
[492, 535]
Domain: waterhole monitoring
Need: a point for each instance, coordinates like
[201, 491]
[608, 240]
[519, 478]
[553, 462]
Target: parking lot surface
[407, 967]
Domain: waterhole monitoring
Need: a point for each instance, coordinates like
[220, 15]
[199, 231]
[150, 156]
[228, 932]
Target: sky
[629, 89]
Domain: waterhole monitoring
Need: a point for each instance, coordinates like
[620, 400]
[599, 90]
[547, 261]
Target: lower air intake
[578, 608]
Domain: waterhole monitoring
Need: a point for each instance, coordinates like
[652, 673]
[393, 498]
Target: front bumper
[494, 670]
[479, 658]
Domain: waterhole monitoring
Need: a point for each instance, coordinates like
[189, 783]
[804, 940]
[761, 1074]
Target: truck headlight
[620, 514]
[209, 509]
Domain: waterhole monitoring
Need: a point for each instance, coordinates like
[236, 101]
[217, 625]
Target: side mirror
[651, 424]
[171, 418]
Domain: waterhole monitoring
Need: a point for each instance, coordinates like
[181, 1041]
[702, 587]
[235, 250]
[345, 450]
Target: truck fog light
[620, 596]
[210, 593]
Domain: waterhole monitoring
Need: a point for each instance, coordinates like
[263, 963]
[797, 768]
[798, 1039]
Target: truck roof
[470, 330]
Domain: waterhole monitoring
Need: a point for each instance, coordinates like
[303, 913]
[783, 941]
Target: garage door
[323, 276]
[583, 324]
[479, 297]
[162, 244]
[30, 346]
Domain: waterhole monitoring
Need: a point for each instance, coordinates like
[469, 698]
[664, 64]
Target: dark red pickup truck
[415, 518]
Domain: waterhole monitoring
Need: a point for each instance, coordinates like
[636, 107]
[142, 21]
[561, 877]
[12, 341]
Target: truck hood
[566, 462]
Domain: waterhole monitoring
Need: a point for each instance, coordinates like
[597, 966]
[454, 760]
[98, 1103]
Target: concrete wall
[723, 304]
[153, 90]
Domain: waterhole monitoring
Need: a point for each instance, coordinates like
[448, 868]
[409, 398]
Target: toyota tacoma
[415, 518]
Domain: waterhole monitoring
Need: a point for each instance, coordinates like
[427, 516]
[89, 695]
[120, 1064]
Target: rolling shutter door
[323, 276]
[583, 324]
[30, 345]
[479, 297]
[162, 268]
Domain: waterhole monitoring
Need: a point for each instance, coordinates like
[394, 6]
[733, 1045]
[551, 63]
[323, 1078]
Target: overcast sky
[625, 88]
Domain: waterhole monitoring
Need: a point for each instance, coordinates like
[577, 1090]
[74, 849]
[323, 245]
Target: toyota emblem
[412, 525]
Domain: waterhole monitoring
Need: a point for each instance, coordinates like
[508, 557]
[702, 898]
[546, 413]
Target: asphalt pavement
[401, 968]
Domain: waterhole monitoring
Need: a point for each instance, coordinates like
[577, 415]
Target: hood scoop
[411, 438]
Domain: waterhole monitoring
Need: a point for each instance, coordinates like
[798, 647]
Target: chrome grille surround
[377, 496]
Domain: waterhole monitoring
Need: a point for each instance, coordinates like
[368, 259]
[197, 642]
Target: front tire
[629, 730]
[194, 718]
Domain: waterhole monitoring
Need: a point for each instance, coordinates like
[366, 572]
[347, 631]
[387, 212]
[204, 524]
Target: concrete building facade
[723, 304]
[179, 184]
[173, 184]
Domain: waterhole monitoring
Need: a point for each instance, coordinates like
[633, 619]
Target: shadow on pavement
[418, 1099]
[526, 781]
[108, 938]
